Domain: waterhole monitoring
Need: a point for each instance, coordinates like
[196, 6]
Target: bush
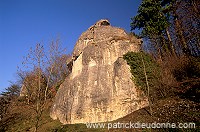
[181, 76]
[153, 72]
[187, 74]
[187, 68]
[171, 76]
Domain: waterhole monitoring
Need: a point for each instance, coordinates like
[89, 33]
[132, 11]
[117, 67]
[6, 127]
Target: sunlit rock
[100, 87]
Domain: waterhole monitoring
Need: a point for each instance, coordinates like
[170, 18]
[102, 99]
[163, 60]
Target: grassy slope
[21, 117]
[171, 110]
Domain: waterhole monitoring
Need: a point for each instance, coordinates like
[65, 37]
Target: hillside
[173, 109]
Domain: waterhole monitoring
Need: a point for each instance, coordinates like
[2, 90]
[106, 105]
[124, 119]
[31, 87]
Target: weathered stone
[99, 87]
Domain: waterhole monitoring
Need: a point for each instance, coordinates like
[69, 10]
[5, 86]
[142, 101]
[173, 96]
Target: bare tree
[45, 72]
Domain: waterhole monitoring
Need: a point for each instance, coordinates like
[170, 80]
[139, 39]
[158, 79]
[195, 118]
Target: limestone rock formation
[99, 88]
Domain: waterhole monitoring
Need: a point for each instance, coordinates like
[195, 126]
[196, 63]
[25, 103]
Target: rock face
[99, 88]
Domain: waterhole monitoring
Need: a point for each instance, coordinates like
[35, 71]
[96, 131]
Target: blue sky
[23, 23]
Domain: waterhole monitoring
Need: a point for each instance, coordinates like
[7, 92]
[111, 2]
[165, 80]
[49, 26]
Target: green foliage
[12, 91]
[165, 24]
[150, 18]
[134, 60]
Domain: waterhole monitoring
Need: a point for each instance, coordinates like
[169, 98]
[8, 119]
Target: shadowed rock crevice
[100, 87]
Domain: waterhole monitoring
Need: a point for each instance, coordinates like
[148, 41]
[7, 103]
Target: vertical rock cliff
[100, 87]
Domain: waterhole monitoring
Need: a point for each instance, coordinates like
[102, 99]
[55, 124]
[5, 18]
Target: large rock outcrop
[99, 87]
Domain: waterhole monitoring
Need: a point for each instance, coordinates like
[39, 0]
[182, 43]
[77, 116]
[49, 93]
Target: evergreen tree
[166, 25]
[11, 91]
[154, 24]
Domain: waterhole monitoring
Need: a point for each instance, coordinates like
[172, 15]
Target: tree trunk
[47, 85]
[147, 83]
[179, 33]
[163, 43]
[170, 42]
